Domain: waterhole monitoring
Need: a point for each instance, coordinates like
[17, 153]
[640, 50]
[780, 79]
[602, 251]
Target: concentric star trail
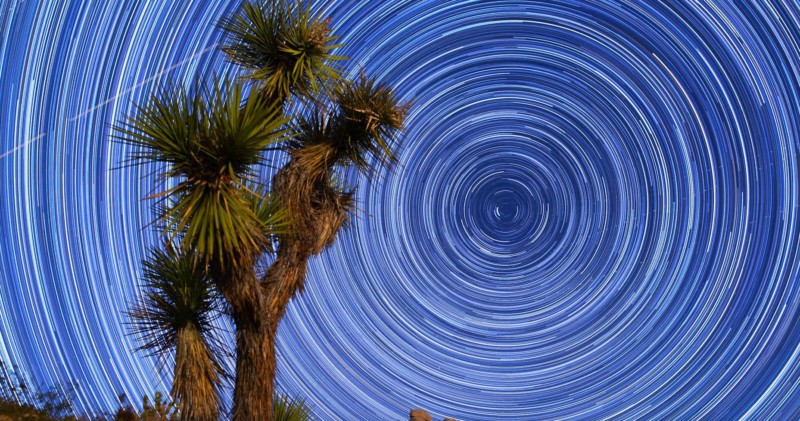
[595, 212]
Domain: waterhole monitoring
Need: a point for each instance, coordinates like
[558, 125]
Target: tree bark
[255, 371]
[256, 317]
[258, 307]
[284, 278]
[255, 340]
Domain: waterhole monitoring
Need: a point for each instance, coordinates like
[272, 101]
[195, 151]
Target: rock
[449, 419]
[419, 415]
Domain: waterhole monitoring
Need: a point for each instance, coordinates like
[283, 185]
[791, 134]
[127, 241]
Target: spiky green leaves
[211, 143]
[211, 136]
[282, 47]
[178, 295]
[370, 117]
[285, 408]
[270, 213]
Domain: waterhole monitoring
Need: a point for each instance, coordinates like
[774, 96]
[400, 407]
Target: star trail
[594, 213]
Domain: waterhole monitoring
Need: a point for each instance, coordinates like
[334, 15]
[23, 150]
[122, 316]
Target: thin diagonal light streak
[113, 98]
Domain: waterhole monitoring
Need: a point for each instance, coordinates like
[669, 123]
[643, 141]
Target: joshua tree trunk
[257, 316]
[257, 311]
[255, 371]
[257, 308]
[255, 340]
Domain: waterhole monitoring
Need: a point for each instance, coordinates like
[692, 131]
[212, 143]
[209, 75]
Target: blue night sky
[595, 212]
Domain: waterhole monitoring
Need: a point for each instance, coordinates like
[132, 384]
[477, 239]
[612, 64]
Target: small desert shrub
[19, 401]
[290, 409]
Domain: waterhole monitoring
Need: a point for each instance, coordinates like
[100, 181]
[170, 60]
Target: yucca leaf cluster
[211, 142]
[282, 48]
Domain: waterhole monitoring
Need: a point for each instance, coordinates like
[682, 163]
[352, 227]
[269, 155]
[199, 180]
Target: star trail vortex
[595, 212]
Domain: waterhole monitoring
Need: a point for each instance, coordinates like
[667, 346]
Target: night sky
[594, 214]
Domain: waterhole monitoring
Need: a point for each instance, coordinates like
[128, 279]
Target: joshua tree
[221, 217]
